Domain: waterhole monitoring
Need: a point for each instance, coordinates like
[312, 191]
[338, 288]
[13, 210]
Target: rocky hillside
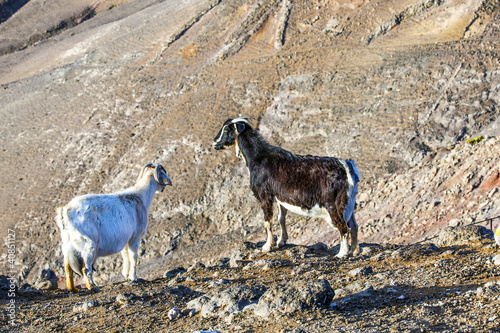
[455, 185]
[453, 287]
[399, 86]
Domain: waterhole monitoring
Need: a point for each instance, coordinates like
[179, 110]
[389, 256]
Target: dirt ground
[404, 289]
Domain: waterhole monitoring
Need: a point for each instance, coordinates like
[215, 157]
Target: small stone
[463, 235]
[29, 289]
[196, 267]
[189, 312]
[294, 296]
[46, 285]
[318, 247]
[85, 306]
[173, 314]
[124, 299]
[496, 260]
[170, 273]
[368, 250]
[379, 256]
[176, 280]
[234, 263]
[360, 271]
[121, 299]
[219, 282]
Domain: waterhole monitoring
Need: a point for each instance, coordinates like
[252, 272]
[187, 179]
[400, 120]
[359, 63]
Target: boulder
[360, 271]
[173, 272]
[47, 280]
[6, 284]
[413, 250]
[463, 235]
[225, 301]
[294, 296]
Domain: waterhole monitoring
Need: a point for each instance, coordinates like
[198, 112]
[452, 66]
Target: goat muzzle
[161, 180]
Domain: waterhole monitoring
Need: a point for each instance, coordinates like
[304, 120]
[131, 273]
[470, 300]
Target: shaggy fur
[309, 185]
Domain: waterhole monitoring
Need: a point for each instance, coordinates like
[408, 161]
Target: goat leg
[282, 218]
[69, 277]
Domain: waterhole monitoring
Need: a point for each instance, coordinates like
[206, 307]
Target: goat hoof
[94, 290]
[74, 290]
[281, 244]
[266, 249]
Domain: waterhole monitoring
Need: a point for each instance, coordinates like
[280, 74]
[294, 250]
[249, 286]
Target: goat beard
[238, 151]
[237, 148]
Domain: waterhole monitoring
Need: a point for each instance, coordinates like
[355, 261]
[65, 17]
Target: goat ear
[162, 174]
[161, 177]
[142, 171]
[240, 127]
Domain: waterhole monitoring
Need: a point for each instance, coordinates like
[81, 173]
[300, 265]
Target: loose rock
[463, 235]
[173, 314]
[294, 296]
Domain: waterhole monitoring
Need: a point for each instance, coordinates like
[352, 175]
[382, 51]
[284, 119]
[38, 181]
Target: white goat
[96, 225]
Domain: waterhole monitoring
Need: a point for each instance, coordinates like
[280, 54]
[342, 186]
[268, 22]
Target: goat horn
[243, 119]
[157, 169]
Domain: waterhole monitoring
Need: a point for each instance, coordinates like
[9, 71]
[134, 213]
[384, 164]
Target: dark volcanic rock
[226, 301]
[294, 296]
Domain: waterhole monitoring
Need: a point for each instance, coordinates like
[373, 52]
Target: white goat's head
[159, 174]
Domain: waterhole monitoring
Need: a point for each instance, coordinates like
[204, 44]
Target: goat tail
[71, 254]
[352, 180]
[62, 218]
[353, 171]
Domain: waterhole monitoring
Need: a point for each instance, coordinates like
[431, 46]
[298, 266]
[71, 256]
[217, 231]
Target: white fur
[315, 211]
[352, 191]
[96, 225]
[221, 134]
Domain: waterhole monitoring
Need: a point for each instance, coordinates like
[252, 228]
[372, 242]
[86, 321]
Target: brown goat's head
[229, 132]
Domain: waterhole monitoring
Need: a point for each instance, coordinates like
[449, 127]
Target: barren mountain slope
[383, 82]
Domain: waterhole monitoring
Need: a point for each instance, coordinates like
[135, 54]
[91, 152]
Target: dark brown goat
[308, 185]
